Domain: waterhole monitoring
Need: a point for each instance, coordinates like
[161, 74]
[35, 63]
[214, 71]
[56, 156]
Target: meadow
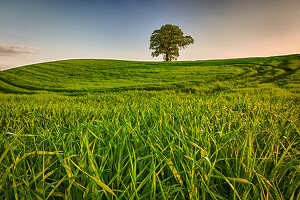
[109, 129]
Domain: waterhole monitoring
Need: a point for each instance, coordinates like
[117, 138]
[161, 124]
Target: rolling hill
[94, 76]
[110, 129]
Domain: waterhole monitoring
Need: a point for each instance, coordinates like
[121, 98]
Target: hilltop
[83, 76]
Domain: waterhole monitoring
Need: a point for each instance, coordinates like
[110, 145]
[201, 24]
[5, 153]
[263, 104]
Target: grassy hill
[93, 76]
[108, 129]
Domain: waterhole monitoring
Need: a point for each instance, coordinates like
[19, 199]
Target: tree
[167, 41]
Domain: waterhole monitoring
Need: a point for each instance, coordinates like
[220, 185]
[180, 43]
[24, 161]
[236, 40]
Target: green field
[109, 129]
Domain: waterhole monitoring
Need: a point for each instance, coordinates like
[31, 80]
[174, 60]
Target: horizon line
[217, 58]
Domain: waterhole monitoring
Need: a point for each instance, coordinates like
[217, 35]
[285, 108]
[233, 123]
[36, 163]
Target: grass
[77, 77]
[102, 129]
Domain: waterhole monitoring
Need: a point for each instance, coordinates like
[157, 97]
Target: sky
[33, 31]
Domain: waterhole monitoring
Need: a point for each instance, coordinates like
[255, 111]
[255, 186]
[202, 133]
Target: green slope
[108, 129]
[92, 75]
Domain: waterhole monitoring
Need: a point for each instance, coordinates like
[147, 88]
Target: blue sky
[34, 31]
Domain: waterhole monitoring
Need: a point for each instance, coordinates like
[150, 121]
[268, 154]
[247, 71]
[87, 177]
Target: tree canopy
[167, 41]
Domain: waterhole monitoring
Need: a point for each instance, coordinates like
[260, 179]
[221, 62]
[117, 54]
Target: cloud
[9, 50]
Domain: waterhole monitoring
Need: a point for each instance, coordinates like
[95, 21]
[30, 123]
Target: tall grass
[150, 145]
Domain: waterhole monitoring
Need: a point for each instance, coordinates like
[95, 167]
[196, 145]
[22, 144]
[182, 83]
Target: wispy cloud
[9, 50]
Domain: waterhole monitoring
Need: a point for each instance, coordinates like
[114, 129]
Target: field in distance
[94, 76]
[110, 129]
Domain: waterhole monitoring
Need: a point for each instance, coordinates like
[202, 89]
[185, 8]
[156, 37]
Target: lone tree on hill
[167, 41]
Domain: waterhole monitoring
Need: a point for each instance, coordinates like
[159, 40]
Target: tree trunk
[167, 56]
